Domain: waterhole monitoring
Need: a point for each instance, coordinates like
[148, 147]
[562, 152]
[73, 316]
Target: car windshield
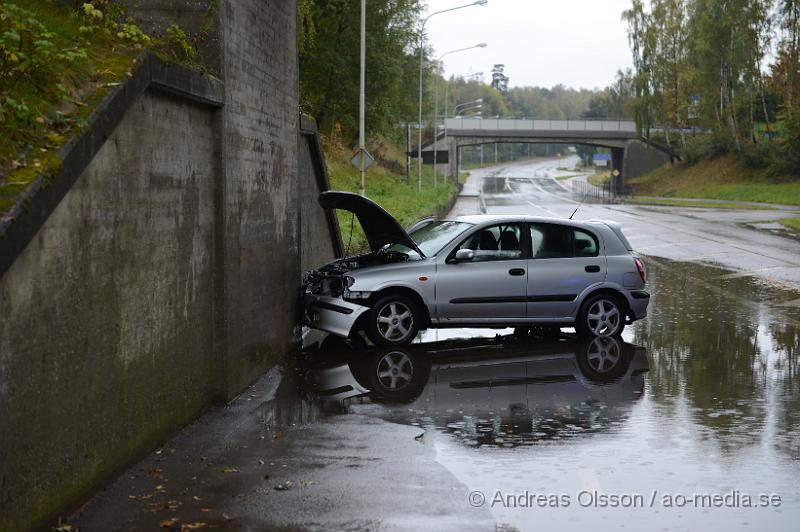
[433, 237]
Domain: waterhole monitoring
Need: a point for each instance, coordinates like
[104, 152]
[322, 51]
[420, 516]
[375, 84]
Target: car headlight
[348, 294]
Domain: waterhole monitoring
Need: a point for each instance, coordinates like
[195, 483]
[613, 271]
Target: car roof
[482, 219]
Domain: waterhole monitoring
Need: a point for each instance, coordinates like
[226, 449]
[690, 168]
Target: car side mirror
[464, 255]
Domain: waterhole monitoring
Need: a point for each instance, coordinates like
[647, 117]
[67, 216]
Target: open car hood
[380, 227]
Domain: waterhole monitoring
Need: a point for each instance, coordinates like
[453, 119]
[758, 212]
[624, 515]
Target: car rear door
[565, 260]
[493, 284]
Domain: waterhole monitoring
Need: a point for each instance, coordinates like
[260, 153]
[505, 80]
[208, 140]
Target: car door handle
[516, 271]
[592, 268]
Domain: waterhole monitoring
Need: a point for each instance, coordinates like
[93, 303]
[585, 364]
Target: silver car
[475, 271]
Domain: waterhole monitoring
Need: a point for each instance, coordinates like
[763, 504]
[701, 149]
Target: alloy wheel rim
[395, 321]
[394, 371]
[603, 354]
[603, 317]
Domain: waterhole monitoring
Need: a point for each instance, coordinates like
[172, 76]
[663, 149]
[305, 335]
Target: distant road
[714, 236]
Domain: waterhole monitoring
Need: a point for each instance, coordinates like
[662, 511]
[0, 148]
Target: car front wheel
[393, 320]
[601, 315]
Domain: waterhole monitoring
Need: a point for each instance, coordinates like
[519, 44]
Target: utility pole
[408, 152]
[361, 144]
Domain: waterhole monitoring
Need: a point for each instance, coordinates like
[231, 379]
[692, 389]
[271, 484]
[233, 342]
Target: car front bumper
[637, 304]
[332, 314]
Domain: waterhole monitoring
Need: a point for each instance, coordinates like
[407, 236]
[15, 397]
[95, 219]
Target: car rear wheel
[393, 320]
[601, 315]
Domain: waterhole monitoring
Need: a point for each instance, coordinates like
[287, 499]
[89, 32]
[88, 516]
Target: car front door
[490, 286]
[565, 260]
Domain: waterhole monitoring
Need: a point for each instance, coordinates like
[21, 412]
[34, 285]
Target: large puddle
[692, 422]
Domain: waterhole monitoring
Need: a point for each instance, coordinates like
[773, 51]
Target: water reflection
[725, 355]
[505, 391]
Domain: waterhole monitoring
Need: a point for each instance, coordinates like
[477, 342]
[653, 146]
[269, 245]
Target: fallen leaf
[192, 526]
[40, 120]
[155, 473]
[205, 509]
[195, 498]
[167, 523]
[285, 486]
[230, 470]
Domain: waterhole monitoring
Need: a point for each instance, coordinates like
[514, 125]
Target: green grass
[722, 178]
[568, 176]
[791, 223]
[697, 204]
[392, 192]
[59, 105]
[599, 179]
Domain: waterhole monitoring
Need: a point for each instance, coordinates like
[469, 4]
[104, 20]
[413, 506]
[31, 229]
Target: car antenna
[579, 206]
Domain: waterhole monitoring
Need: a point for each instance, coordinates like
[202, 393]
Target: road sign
[356, 160]
[615, 173]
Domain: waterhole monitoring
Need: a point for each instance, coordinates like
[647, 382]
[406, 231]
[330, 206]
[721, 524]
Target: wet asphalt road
[724, 237]
[686, 423]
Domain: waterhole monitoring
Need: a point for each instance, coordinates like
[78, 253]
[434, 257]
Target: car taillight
[640, 267]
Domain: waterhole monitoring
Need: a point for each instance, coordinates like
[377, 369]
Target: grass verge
[698, 204]
[791, 223]
[390, 190]
[599, 179]
[722, 178]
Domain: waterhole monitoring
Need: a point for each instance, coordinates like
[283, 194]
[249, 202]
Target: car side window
[551, 241]
[497, 242]
[585, 244]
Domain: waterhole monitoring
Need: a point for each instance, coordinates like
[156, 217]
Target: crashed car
[475, 271]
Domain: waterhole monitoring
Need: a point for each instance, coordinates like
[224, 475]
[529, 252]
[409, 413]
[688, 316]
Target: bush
[28, 54]
[761, 154]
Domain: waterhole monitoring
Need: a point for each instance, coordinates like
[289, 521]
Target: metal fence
[608, 193]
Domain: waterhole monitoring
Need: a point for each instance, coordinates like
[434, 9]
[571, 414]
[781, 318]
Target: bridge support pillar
[452, 159]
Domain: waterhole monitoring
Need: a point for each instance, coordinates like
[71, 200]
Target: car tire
[603, 359]
[393, 375]
[601, 315]
[393, 320]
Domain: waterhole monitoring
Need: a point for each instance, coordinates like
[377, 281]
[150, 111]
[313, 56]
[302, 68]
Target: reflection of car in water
[518, 389]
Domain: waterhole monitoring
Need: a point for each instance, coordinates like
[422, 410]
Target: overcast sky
[579, 43]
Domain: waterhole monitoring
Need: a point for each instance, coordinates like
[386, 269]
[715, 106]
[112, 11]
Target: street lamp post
[421, 60]
[447, 115]
[436, 107]
[361, 143]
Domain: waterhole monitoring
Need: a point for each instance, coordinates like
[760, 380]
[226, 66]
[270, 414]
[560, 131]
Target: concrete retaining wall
[105, 341]
[166, 273]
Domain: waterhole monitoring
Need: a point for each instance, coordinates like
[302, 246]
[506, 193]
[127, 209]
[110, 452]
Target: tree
[329, 62]
[499, 79]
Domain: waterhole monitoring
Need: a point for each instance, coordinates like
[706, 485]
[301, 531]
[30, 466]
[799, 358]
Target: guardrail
[493, 124]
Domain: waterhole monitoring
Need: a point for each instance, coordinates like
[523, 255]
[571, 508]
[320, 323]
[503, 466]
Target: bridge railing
[493, 124]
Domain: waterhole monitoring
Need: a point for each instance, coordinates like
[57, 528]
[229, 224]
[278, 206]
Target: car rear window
[550, 241]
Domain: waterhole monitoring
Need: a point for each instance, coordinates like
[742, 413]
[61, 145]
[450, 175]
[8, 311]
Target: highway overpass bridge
[629, 154]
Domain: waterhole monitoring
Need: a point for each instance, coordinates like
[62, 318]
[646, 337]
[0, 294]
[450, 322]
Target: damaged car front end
[331, 301]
